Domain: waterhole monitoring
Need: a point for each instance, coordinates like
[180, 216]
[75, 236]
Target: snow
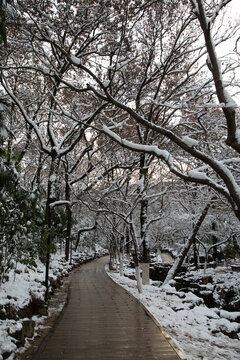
[3, 132]
[189, 141]
[152, 149]
[19, 288]
[238, 136]
[75, 60]
[60, 203]
[230, 316]
[17, 292]
[197, 175]
[230, 102]
[6, 345]
[52, 178]
[195, 328]
[141, 184]
[106, 83]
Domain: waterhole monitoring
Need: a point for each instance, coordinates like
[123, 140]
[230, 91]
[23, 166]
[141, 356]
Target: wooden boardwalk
[101, 321]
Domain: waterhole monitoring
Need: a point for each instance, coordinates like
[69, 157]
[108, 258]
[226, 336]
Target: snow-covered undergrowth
[195, 328]
[22, 293]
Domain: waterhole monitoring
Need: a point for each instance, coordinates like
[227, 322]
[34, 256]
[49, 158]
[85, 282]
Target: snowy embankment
[196, 329]
[22, 305]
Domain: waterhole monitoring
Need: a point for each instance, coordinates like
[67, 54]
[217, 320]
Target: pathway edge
[165, 334]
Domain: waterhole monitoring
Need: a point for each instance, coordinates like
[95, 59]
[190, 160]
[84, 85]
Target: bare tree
[136, 73]
[188, 105]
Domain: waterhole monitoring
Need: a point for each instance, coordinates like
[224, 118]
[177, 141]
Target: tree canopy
[106, 109]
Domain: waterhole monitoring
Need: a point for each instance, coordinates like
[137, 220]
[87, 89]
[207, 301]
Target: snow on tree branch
[229, 108]
[60, 203]
[150, 149]
[24, 114]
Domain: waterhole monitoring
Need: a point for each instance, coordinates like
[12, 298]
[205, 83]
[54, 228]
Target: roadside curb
[165, 334]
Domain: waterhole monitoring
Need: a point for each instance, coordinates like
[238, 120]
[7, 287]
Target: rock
[235, 267]
[228, 298]
[17, 271]
[43, 311]
[16, 334]
[145, 273]
[207, 279]
[159, 271]
[25, 312]
[5, 278]
[208, 298]
[6, 355]
[28, 326]
[233, 334]
[39, 306]
[26, 331]
[3, 315]
[201, 287]
[11, 311]
[233, 316]
[132, 277]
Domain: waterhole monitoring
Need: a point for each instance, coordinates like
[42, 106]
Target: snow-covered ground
[17, 293]
[195, 328]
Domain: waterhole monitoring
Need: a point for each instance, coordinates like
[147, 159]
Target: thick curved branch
[225, 99]
[217, 166]
[24, 114]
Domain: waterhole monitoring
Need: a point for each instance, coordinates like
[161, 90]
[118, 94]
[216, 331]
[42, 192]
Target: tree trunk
[121, 255]
[47, 232]
[136, 259]
[127, 243]
[214, 240]
[195, 254]
[206, 261]
[139, 281]
[111, 252]
[143, 221]
[69, 230]
[145, 273]
[178, 262]
[69, 216]
[121, 264]
[143, 210]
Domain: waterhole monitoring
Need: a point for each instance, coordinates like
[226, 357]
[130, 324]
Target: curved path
[101, 321]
